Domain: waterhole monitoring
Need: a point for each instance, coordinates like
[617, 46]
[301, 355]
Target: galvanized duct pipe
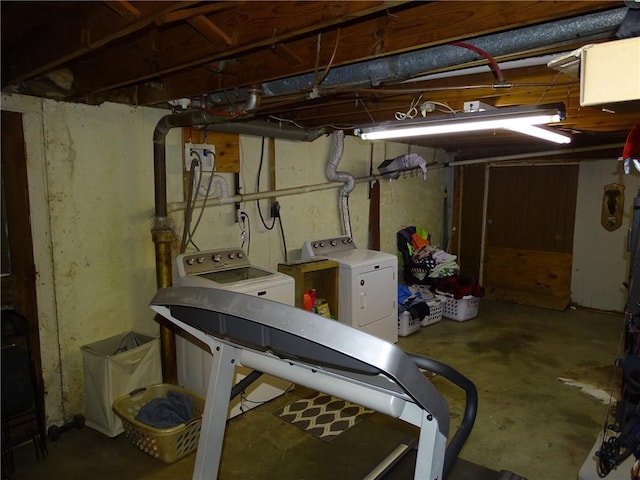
[262, 128]
[346, 178]
[406, 65]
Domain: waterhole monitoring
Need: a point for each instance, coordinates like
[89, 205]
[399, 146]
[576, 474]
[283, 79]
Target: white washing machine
[227, 269]
[368, 285]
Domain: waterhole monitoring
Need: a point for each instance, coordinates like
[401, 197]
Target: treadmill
[327, 356]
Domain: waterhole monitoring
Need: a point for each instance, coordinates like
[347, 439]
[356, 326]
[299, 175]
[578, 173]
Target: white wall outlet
[473, 106]
[203, 152]
[476, 106]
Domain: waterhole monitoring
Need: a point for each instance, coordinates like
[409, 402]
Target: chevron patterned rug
[323, 416]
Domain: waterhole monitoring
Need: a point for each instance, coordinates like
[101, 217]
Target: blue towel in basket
[167, 412]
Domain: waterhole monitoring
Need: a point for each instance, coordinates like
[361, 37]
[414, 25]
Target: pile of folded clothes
[421, 258]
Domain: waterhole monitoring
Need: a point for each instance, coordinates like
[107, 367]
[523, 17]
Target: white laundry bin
[114, 367]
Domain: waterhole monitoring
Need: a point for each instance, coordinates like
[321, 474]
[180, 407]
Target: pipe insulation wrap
[420, 62]
[349, 181]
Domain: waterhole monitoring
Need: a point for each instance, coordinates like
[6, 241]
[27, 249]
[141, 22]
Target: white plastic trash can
[114, 367]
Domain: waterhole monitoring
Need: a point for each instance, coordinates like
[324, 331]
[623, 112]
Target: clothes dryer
[368, 285]
[227, 269]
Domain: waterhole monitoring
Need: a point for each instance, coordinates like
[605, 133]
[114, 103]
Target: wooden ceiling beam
[188, 13]
[124, 9]
[88, 26]
[376, 36]
[254, 25]
[210, 30]
[285, 53]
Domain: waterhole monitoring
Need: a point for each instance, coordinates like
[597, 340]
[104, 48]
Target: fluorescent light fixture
[520, 119]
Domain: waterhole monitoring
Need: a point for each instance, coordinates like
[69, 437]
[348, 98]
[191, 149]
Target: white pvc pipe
[521, 156]
[284, 192]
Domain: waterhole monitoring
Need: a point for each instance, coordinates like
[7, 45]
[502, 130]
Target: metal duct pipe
[406, 65]
[346, 178]
[253, 102]
[262, 128]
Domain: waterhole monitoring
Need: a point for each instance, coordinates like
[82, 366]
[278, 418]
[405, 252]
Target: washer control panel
[212, 260]
[327, 246]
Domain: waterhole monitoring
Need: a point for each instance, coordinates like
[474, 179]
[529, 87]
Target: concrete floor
[528, 422]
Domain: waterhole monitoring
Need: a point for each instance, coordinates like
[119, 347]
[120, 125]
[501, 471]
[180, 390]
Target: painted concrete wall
[91, 193]
[600, 257]
[405, 201]
[91, 190]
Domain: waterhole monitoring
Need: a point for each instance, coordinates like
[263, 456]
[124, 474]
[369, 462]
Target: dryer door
[377, 293]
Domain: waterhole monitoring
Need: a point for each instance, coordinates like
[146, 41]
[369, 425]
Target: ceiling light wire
[359, 101]
[287, 120]
[317, 65]
[412, 112]
[447, 108]
[548, 87]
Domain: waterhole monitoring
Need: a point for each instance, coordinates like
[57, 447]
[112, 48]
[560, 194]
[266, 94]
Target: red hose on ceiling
[632, 146]
[494, 65]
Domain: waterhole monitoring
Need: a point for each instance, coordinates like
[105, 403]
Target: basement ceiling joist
[153, 52]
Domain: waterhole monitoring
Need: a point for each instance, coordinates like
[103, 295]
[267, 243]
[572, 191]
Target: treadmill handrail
[289, 332]
[470, 407]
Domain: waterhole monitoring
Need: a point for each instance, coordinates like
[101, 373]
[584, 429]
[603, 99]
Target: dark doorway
[18, 270]
[519, 233]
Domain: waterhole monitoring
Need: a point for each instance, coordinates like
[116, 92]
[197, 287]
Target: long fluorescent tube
[514, 118]
[541, 133]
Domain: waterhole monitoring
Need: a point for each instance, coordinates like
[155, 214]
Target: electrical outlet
[473, 106]
[427, 107]
[476, 106]
[205, 152]
[275, 210]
